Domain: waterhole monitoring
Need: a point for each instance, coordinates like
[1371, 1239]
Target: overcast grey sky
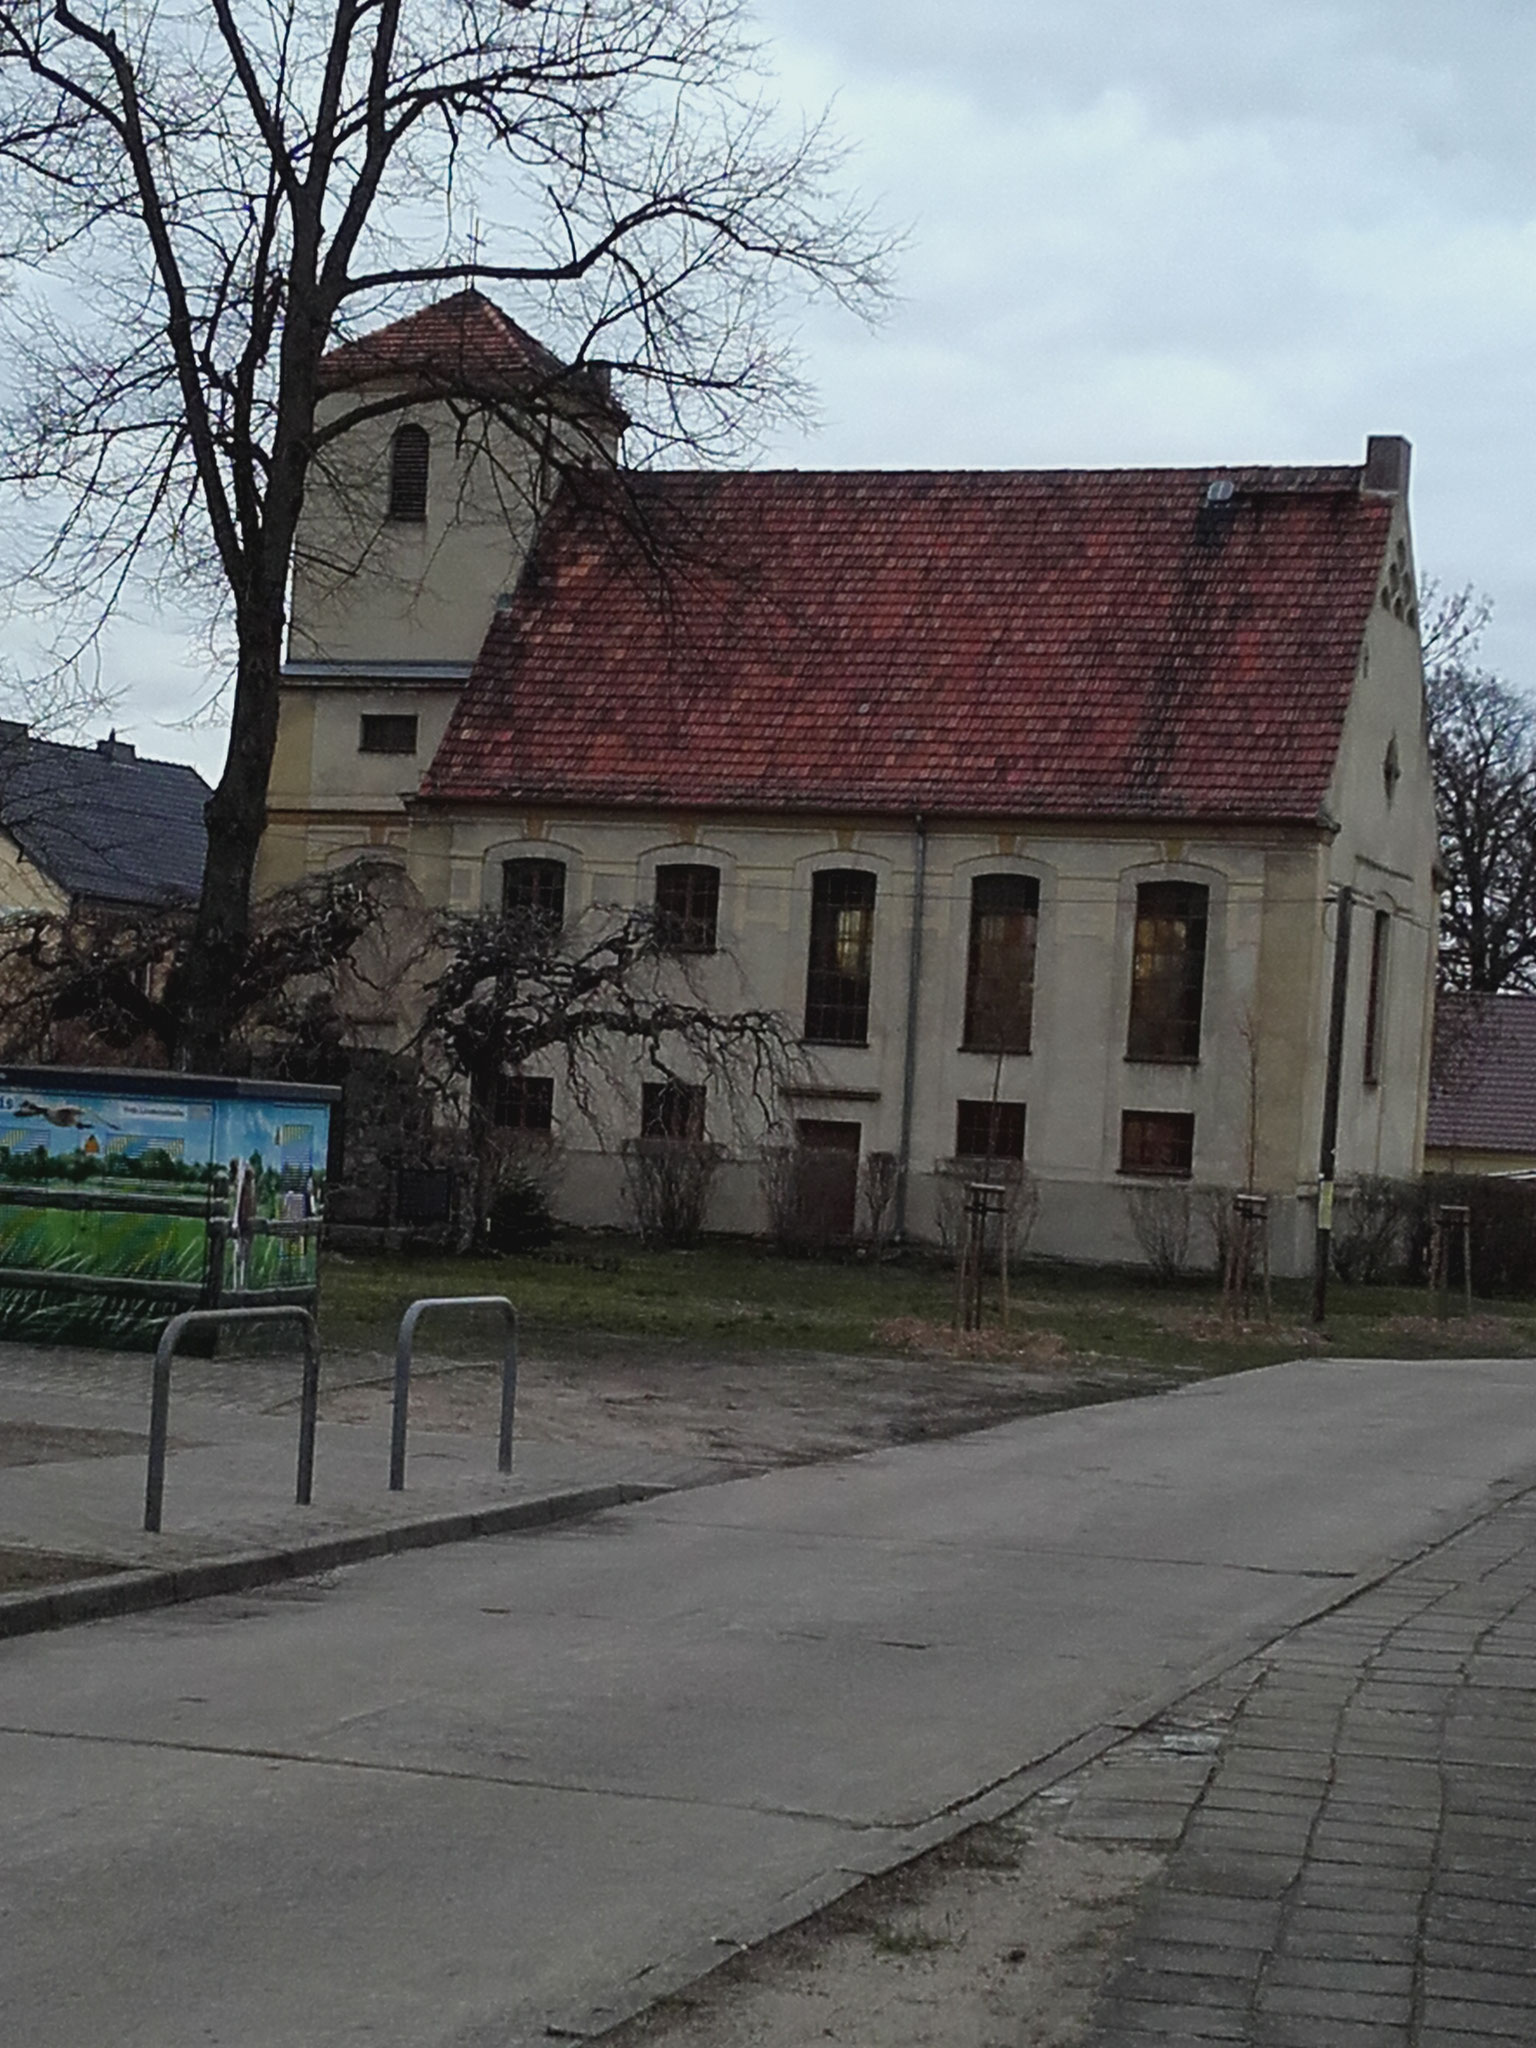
[1173, 231]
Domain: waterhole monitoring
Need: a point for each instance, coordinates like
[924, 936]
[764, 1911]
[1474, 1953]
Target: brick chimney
[1388, 458]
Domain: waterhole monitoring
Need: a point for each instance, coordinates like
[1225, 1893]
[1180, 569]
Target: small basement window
[671, 1109]
[1157, 1142]
[386, 732]
[523, 1102]
[989, 1130]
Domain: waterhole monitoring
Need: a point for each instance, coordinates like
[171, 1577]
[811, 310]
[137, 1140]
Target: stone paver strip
[1358, 1869]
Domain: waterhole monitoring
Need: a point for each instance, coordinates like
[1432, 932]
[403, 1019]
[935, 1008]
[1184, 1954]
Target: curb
[133, 1592]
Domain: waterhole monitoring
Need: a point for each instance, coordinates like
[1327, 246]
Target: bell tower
[439, 442]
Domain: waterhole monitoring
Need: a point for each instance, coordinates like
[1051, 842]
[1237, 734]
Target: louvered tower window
[408, 457]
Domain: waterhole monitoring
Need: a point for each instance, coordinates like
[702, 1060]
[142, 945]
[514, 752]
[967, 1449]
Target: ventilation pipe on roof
[909, 1055]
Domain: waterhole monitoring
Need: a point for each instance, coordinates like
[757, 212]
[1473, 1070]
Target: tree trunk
[237, 816]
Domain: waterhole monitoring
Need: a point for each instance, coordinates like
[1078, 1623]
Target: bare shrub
[1021, 1209]
[1370, 1231]
[806, 1188]
[1219, 1217]
[1162, 1215]
[779, 1179]
[879, 1181]
[668, 1181]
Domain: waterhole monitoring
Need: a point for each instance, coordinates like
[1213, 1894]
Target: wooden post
[1451, 1218]
[1250, 1236]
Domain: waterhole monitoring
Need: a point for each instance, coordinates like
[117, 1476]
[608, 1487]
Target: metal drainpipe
[909, 1058]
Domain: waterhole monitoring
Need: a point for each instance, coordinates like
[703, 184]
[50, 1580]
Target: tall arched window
[408, 454]
[842, 945]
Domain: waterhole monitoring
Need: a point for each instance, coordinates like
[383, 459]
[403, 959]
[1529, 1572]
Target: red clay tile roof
[1059, 643]
[463, 344]
[1482, 1090]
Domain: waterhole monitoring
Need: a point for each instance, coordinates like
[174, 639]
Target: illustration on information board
[184, 1200]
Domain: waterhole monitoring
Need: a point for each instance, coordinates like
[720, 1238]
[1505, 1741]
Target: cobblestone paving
[250, 1382]
[1354, 1853]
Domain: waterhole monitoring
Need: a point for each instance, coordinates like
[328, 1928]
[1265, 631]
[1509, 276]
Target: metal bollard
[405, 1345]
[160, 1397]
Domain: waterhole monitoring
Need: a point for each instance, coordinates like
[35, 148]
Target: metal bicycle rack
[160, 1402]
[405, 1345]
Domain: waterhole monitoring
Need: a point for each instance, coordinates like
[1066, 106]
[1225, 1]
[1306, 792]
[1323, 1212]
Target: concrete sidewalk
[73, 1458]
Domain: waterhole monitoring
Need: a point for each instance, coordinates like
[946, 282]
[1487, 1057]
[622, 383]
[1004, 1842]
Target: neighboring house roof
[464, 345]
[101, 823]
[1482, 1088]
[1060, 643]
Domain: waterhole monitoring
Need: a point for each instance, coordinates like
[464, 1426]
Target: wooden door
[826, 1179]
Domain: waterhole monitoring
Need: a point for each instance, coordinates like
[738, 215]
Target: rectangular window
[1168, 971]
[688, 906]
[386, 732]
[989, 1130]
[1157, 1141]
[1376, 996]
[1000, 970]
[523, 1102]
[842, 947]
[671, 1109]
[534, 890]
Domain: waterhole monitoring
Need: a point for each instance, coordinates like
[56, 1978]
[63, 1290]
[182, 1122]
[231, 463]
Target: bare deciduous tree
[204, 195]
[1483, 746]
[93, 983]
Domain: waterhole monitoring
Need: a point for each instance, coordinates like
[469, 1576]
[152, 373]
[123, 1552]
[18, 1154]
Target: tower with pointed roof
[439, 441]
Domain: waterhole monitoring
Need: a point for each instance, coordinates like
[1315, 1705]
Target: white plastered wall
[1075, 1082]
[1385, 852]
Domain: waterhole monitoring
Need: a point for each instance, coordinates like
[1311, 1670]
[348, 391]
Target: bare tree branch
[1483, 747]
[203, 200]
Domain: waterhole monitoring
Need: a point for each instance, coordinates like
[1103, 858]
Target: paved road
[462, 1797]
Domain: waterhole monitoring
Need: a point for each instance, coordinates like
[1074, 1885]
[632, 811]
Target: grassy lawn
[733, 1297]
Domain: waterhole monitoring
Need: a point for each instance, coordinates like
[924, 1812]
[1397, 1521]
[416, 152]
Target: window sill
[1158, 1173]
[993, 1052]
[848, 1044]
[1162, 1059]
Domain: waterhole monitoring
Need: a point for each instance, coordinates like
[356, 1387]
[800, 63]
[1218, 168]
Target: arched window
[842, 946]
[1168, 971]
[408, 453]
[1000, 970]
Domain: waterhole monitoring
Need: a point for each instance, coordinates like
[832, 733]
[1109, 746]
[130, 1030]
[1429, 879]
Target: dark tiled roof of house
[464, 345]
[1059, 643]
[102, 823]
[1482, 1090]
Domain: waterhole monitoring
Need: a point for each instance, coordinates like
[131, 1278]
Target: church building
[1041, 802]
